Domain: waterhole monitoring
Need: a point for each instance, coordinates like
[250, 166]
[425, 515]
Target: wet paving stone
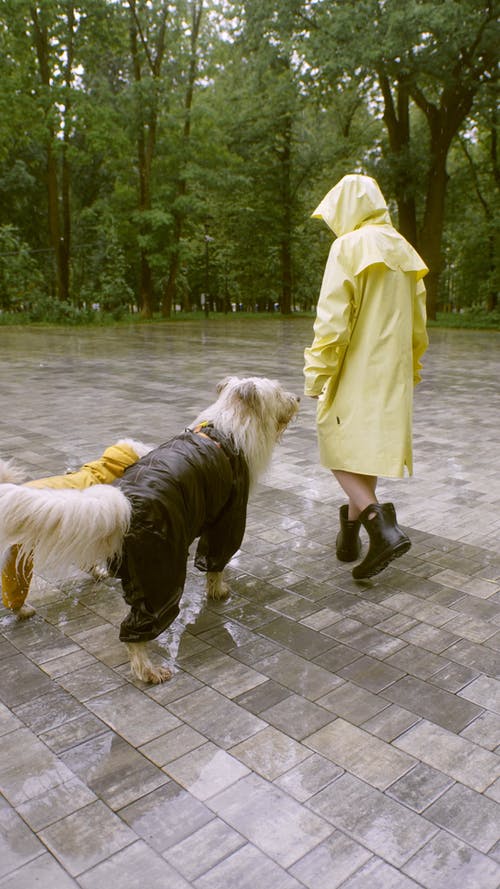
[317, 732]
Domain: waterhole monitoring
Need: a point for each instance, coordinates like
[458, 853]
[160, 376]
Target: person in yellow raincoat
[369, 336]
[17, 570]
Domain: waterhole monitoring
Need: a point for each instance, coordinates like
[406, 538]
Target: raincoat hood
[354, 201]
[369, 335]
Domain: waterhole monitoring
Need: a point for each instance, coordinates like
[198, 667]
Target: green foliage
[102, 267]
[112, 292]
[21, 283]
[209, 156]
[53, 311]
[473, 318]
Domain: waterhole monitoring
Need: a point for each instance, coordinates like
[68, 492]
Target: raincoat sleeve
[420, 337]
[332, 327]
[219, 542]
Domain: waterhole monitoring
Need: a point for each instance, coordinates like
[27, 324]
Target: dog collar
[226, 442]
[201, 429]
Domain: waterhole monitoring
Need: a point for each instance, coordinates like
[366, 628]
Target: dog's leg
[216, 588]
[24, 612]
[17, 573]
[141, 666]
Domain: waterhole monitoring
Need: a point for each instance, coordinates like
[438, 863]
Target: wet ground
[318, 732]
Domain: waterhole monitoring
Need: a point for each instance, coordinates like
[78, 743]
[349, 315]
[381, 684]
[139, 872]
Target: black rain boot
[348, 543]
[387, 540]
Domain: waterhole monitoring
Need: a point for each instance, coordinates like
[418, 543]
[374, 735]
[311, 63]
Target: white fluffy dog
[194, 486]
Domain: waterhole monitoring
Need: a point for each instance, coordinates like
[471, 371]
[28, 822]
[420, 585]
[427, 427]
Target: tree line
[161, 156]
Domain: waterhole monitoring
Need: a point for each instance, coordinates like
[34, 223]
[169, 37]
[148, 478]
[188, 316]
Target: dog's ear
[222, 385]
[248, 392]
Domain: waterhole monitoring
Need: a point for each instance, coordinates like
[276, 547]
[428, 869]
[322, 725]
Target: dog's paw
[153, 675]
[24, 612]
[157, 675]
[216, 588]
[220, 592]
[99, 572]
[141, 666]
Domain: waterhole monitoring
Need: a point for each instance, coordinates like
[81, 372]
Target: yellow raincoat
[110, 466]
[369, 335]
[18, 572]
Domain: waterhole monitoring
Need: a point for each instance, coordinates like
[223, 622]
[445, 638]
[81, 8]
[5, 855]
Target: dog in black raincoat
[194, 486]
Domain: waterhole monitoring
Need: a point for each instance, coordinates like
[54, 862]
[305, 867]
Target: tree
[53, 27]
[42, 43]
[181, 187]
[471, 233]
[425, 55]
[172, 150]
[21, 283]
[147, 48]
[271, 130]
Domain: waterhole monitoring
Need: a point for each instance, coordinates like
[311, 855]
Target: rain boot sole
[383, 561]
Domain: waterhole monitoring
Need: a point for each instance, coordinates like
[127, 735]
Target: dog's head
[255, 412]
[259, 399]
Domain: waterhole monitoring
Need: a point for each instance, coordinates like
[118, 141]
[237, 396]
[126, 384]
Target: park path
[317, 732]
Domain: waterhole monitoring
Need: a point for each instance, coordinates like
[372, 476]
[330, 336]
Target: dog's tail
[64, 528]
[10, 473]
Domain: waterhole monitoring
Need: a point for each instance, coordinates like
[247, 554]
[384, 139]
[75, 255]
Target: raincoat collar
[356, 200]
[209, 431]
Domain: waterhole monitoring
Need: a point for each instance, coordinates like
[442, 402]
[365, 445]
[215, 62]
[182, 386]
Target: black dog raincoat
[195, 485]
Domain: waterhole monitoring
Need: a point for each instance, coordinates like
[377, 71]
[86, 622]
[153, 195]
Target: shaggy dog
[194, 486]
[17, 567]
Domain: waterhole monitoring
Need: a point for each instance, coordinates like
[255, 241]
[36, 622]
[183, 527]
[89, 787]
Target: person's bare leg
[359, 489]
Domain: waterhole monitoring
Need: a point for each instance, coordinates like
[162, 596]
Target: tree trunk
[53, 214]
[286, 283]
[65, 242]
[432, 229]
[492, 299]
[170, 289]
[146, 137]
[492, 296]
[445, 115]
[397, 121]
[444, 123]
[286, 239]
[41, 36]
[145, 276]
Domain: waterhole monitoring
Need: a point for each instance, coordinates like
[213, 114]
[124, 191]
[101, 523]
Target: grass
[472, 319]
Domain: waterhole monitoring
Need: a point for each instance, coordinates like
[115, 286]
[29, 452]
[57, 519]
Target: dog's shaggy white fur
[10, 473]
[64, 529]
[108, 466]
